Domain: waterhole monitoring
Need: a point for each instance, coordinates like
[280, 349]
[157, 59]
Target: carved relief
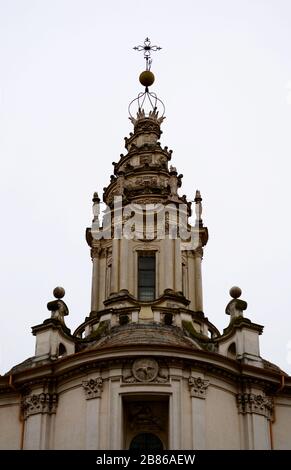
[143, 417]
[160, 161]
[93, 388]
[147, 182]
[149, 200]
[145, 159]
[198, 387]
[146, 125]
[145, 370]
[251, 403]
[41, 403]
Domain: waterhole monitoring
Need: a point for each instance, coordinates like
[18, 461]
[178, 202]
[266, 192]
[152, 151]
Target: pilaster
[37, 411]
[93, 391]
[198, 390]
[257, 411]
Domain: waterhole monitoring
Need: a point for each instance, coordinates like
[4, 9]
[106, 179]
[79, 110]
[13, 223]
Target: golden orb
[147, 78]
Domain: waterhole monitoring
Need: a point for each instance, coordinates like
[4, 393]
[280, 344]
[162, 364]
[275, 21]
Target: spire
[198, 209]
[96, 208]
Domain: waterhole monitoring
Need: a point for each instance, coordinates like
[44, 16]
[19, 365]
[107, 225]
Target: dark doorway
[146, 419]
[146, 441]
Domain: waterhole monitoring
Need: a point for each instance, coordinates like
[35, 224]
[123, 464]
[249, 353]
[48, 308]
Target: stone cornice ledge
[213, 363]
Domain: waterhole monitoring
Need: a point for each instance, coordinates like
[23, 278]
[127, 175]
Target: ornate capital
[198, 387]
[96, 252]
[251, 403]
[199, 252]
[41, 403]
[93, 388]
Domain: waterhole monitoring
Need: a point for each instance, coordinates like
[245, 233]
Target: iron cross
[147, 48]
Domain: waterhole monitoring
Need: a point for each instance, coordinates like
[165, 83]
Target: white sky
[67, 74]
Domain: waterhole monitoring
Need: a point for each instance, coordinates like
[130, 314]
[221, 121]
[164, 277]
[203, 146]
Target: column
[115, 266]
[130, 267]
[124, 264]
[161, 269]
[191, 281]
[168, 263]
[95, 279]
[178, 265]
[198, 280]
[104, 277]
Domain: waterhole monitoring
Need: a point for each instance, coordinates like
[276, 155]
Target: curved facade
[146, 368]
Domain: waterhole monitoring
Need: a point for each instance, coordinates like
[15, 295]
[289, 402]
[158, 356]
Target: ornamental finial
[146, 102]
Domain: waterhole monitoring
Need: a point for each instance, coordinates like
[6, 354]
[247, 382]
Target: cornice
[209, 362]
[146, 149]
[54, 324]
[239, 323]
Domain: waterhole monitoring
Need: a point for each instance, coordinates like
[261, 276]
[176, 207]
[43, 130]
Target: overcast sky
[67, 74]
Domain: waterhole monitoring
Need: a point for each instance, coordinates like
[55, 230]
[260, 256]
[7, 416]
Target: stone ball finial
[147, 78]
[235, 292]
[59, 292]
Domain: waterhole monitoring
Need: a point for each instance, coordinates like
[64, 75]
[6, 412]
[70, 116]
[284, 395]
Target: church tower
[146, 369]
[145, 254]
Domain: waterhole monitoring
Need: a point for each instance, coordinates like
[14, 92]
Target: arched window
[231, 352]
[146, 441]
[62, 350]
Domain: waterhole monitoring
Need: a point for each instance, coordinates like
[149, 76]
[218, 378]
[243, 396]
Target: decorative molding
[41, 403]
[145, 370]
[146, 246]
[257, 404]
[93, 388]
[198, 387]
[264, 380]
